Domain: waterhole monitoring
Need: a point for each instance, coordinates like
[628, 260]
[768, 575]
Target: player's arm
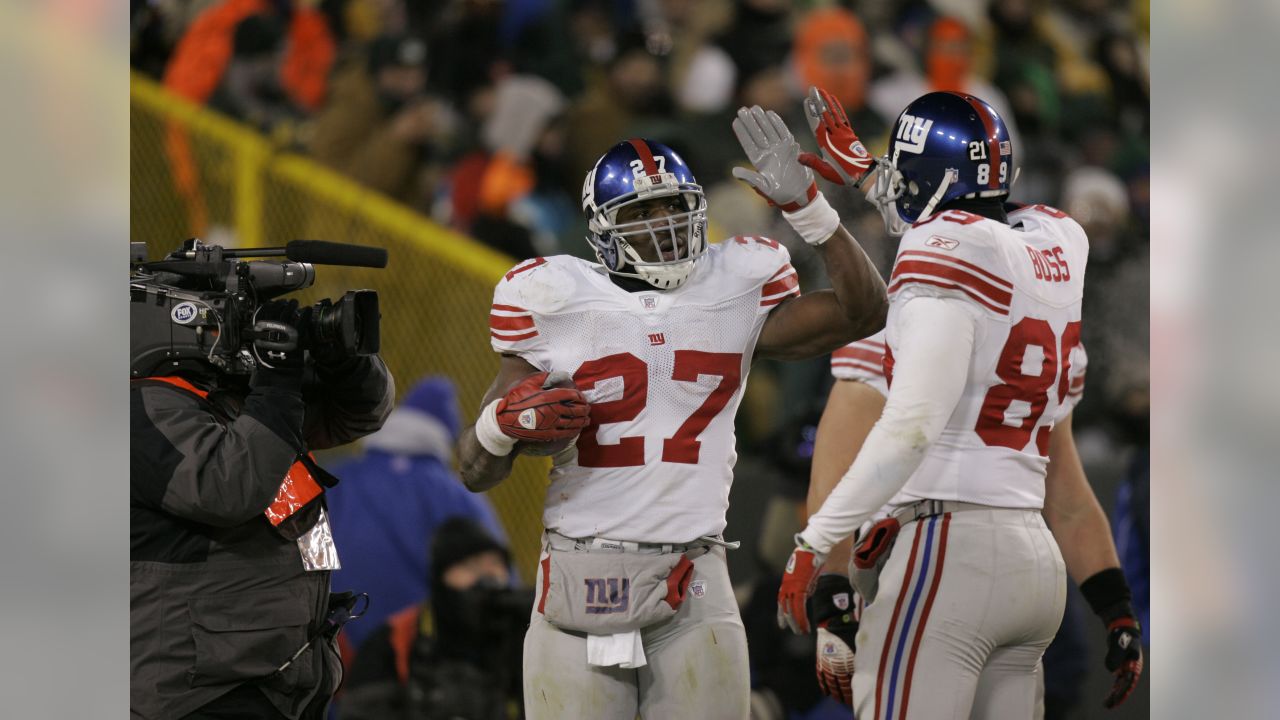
[521, 404]
[851, 411]
[1072, 512]
[820, 322]
[930, 369]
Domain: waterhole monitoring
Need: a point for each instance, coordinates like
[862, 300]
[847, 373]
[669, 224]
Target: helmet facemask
[660, 251]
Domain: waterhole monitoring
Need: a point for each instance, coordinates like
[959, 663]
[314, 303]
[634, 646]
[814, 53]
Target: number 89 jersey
[664, 372]
[1024, 282]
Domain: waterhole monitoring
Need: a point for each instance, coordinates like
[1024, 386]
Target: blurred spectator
[760, 35]
[832, 52]
[381, 125]
[202, 55]
[948, 64]
[397, 493]
[456, 655]
[513, 196]
[250, 88]
[617, 105]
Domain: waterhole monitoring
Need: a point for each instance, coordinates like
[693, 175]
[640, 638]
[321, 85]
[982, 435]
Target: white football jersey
[1025, 281]
[664, 372]
[863, 361]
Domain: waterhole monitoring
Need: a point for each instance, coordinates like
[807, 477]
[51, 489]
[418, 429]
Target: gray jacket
[217, 595]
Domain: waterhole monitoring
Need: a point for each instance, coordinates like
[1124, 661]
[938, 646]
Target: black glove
[832, 613]
[1124, 656]
[1108, 595]
[277, 342]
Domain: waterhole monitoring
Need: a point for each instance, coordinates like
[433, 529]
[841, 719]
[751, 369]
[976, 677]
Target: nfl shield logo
[698, 588]
[649, 302]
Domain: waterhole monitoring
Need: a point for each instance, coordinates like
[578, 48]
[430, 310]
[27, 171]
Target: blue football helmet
[945, 145]
[634, 171]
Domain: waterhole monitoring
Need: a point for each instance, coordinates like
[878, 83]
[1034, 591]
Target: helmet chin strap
[947, 178]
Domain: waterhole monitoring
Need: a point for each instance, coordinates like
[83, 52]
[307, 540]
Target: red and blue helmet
[634, 171]
[945, 145]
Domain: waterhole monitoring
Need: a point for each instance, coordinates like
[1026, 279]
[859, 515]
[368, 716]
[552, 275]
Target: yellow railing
[196, 173]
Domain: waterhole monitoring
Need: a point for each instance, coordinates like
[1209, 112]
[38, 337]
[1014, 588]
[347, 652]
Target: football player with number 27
[983, 328]
[628, 372]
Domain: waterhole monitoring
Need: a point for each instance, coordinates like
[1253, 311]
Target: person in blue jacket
[391, 500]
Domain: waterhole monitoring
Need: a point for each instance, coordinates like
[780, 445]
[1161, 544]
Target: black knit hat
[459, 538]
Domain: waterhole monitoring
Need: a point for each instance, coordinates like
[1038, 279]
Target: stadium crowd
[486, 114]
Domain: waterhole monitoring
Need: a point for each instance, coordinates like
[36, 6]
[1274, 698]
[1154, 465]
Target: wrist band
[814, 222]
[489, 435]
[1108, 594]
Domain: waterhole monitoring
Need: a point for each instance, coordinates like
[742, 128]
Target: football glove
[798, 583]
[778, 176]
[833, 612]
[1124, 658]
[844, 160]
[536, 411]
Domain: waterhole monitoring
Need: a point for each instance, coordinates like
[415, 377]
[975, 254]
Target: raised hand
[778, 176]
[844, 159]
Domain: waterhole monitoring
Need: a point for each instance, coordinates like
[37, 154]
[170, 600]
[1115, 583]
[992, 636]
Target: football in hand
[546, 449]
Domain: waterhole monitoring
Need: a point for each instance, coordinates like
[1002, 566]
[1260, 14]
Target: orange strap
[179, 382]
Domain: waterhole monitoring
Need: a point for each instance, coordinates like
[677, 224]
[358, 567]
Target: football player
[639, 361]
[983, 325]
[1071, 510]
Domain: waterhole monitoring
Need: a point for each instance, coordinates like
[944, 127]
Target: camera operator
[455, 656]
[230, 548]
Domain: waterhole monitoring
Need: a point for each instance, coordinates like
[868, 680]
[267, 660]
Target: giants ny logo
[912, 132]
[607, 595]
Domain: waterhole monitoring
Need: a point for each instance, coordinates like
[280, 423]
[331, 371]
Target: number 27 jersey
[664, 372]
[1024, 282]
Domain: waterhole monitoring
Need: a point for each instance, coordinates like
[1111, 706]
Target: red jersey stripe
[779, 298]
[946, 272]
[790, 282]
[513, 338]
[857, 366]
[510, 322]
[951, 286]
[856, 353]
[962, 263]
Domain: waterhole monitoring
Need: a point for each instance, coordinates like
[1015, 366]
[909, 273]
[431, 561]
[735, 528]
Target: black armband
[1107, 593]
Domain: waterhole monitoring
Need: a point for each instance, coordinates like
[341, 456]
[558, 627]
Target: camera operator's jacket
[217, 596]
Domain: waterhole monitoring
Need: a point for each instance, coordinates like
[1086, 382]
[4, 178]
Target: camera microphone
[321, 252]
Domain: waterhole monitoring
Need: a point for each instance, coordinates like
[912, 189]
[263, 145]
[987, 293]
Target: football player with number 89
[628, 372]
[963, 585]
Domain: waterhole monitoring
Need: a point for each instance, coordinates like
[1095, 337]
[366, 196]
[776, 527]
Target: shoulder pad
[762, 263]
[540, 285]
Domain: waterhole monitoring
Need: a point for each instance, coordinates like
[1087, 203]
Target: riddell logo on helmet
[912, 133]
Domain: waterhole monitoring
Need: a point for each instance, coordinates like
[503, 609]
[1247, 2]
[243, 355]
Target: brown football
[544, 449]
